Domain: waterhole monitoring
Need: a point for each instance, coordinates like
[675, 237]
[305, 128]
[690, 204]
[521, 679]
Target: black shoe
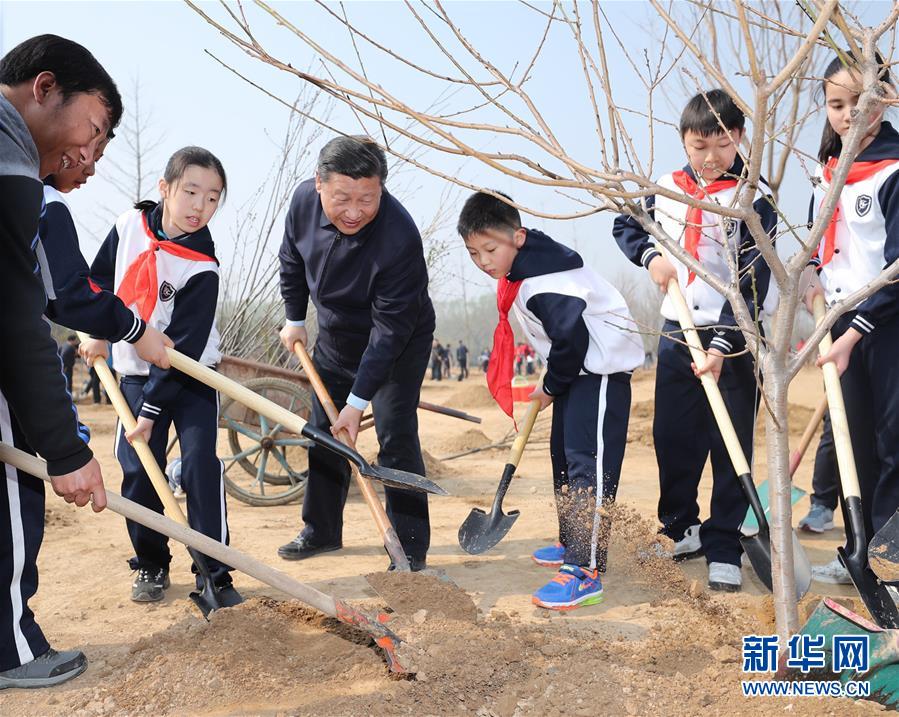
[415, 564]
[51, 668]
[150, 584]
[300, 548]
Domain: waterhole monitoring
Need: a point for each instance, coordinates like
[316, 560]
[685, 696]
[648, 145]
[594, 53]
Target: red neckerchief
[502, 358]
[858, 172]
[694, 214]
[140, 285]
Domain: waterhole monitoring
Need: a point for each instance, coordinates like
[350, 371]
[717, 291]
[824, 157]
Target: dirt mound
[435, 468]
[409, 593]
[472, 395]
[472, 438]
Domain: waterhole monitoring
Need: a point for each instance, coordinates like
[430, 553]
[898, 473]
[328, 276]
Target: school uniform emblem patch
[730, 226]
[166, 291]
[863, 204]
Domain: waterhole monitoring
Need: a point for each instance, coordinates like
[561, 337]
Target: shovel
[292, 422]
[209, 598]
[749, 524]
[375, 626]
[758, 546]
[481, 531]
[830, 619]
[387, 531]
[854, 555]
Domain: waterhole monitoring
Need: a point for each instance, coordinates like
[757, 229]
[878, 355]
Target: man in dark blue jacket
[354, 250]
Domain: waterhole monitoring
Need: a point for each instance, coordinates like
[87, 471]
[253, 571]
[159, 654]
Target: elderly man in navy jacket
[354, 250]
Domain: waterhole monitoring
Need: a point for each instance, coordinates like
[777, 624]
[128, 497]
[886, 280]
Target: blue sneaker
[549, 557]
[572, 587]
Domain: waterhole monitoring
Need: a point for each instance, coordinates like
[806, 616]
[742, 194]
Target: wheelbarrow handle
[719, 409]
[839, 421]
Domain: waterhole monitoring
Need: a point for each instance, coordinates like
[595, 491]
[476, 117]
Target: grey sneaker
[833, 573]
[725, 577]
[51, 668]
[819, 519]
[689, 546]
[150, 584]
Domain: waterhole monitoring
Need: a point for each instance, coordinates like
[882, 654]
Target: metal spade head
[883, 551]
[393, 477]
[208, 597]
[481, 531]
[758, 550]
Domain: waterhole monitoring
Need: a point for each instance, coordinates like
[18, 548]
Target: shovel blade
[396, 478]
[758, 550]
[883, 551]
[482, 531]
[750, 524]
[872, 592]
[209, 598]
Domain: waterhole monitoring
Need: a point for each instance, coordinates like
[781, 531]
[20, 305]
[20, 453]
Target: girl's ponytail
[146, 205]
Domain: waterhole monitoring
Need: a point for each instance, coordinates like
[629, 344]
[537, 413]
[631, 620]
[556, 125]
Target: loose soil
[660, 643]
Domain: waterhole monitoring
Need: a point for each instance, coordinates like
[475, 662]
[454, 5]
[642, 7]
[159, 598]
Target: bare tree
[499, 123]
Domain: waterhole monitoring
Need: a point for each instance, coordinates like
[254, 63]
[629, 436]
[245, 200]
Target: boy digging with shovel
[580, 325]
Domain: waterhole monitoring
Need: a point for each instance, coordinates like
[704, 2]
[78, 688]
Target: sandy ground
[659, 644]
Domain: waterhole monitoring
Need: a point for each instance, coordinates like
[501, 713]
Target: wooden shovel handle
[524, 433]
[719, 409]
[388, 533]
[147, 459]
[839, 422]
[232, 389]
[810, 430]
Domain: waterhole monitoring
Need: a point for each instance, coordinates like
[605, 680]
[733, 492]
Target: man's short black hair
[76, 70]
[483, 211]
[708, 111]
[357, 157]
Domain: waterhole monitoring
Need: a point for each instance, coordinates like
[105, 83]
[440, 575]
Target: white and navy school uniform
[185, 311]
[580, 325]
[684, 430]
[866, 241]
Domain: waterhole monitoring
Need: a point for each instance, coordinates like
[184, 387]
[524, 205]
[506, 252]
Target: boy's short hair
[483, 211]
[710, 113]
[76, 70]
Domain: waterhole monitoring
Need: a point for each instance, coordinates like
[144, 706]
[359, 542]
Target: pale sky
[194, 100]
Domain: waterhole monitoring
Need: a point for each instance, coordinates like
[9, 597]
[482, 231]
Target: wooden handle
[232, 389]
[183, 534]
[527, 423]
[147, 459]
[388, 534]
[839, 422]
[722, 417]
[812, 428]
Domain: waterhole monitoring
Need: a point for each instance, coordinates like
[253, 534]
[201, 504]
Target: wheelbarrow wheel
[267, 465]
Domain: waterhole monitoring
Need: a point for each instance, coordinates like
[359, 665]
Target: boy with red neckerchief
[580, 325]
[684, 431]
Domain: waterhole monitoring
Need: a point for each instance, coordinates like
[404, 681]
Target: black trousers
[395, 408]
[463, 369]
[195, 416]
[21, 534]
[587, 440]
[825, 479]
[685, 435]
[871, 393]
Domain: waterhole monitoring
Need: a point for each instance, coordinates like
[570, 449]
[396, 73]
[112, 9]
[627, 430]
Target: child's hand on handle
[810, 287]
[291, 334]
[661, 271]
[540, 395]
[348, 421]
[143, 429]
[82, 486]
[714, 361]
[92, 349]
[841, 350]
[151, 347]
